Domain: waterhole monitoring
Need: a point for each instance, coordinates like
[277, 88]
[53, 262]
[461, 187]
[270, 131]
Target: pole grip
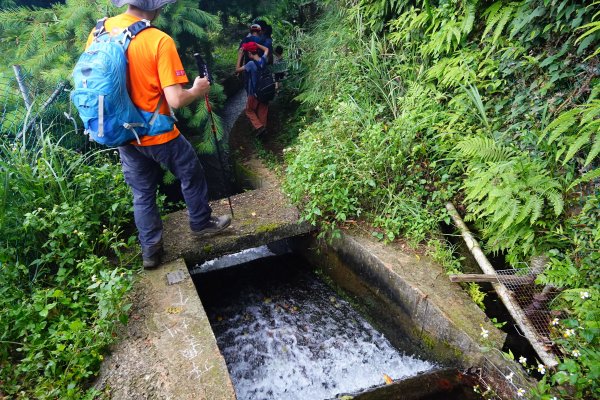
[202, 67]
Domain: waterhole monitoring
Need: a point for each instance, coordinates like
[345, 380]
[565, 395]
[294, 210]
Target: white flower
[94, 278]
[554, 398]
[522, 360]
[509, 377]
[584, 295]
[541, 369]
[484, 333]
[521, 392]
[555, 322]
[569, 332]
[575, 353]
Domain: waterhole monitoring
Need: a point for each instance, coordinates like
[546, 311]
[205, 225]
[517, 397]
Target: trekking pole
[203, 71]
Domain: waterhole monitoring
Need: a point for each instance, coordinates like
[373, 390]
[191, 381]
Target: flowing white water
[296, 339]
[230, 260]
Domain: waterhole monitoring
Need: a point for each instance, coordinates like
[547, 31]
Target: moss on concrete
[267, 227]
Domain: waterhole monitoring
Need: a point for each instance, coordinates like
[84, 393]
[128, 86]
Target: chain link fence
[31, 109]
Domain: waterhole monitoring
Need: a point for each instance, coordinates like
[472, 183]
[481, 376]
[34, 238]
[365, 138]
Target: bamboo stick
[503, 293]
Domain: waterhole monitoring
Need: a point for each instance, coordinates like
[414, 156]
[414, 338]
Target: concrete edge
[452, 325]
[168, 350]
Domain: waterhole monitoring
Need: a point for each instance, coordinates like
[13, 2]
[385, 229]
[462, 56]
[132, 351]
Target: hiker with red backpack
[134, 68]
[259, 90]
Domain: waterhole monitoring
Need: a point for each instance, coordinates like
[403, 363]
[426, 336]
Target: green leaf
[76, 325]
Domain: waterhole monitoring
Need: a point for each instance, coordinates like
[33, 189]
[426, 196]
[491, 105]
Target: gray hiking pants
[141, 167]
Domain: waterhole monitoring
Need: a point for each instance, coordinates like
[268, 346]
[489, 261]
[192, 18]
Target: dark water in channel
[285, 334]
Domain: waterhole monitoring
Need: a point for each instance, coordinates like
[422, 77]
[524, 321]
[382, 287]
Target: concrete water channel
[169, 349]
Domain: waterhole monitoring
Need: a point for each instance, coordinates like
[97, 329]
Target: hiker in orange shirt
[155, 79]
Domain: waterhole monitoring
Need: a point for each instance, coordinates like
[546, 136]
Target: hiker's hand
[201, 86]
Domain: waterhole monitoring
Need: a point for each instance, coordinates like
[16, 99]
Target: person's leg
[179, 157]
[251, 108]
[141, 174]
[262, 113]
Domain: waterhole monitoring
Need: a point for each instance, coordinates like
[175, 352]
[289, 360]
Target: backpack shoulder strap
[138, 26]
[133, 30]
[100, 28]
[259, 67]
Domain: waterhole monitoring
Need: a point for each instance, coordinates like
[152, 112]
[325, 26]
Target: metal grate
[31, 108]
[503, 383]
[534, 302]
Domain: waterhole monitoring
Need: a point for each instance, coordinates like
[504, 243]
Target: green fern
[455, 71]
[468, 18]
[592, 29]
[586, 177]
[507, 198]
[498, 15]
[483, 149]
[577, 129]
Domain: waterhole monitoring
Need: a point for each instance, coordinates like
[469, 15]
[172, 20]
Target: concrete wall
[408, 297]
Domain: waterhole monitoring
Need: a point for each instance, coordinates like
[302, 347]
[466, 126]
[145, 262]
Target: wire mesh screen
[533, 300]
[31, 109]
[503, 382]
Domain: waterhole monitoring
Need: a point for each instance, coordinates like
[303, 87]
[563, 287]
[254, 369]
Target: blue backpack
[100, 77]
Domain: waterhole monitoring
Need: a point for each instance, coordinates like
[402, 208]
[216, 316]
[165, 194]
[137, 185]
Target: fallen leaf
[388, 380]
[253, 214]
[174, 310]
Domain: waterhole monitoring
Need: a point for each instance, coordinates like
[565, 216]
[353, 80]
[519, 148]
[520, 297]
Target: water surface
[285, 334]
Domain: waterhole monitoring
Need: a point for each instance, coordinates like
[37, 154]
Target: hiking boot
[153, 261]
[215, 225]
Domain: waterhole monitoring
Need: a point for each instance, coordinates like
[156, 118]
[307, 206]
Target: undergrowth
[63, 269]
[491, 105]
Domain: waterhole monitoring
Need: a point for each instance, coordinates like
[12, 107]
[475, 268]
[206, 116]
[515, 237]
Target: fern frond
[506, 15]
[587, 177]
[511, 216]
[594, 151]
[483, 149]
[527, 209]
[555, 198]
[536, 212]
[468, 18]
[583, 139]
[560, 125]
[493, 15]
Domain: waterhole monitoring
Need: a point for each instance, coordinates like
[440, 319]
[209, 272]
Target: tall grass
[62, 217]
